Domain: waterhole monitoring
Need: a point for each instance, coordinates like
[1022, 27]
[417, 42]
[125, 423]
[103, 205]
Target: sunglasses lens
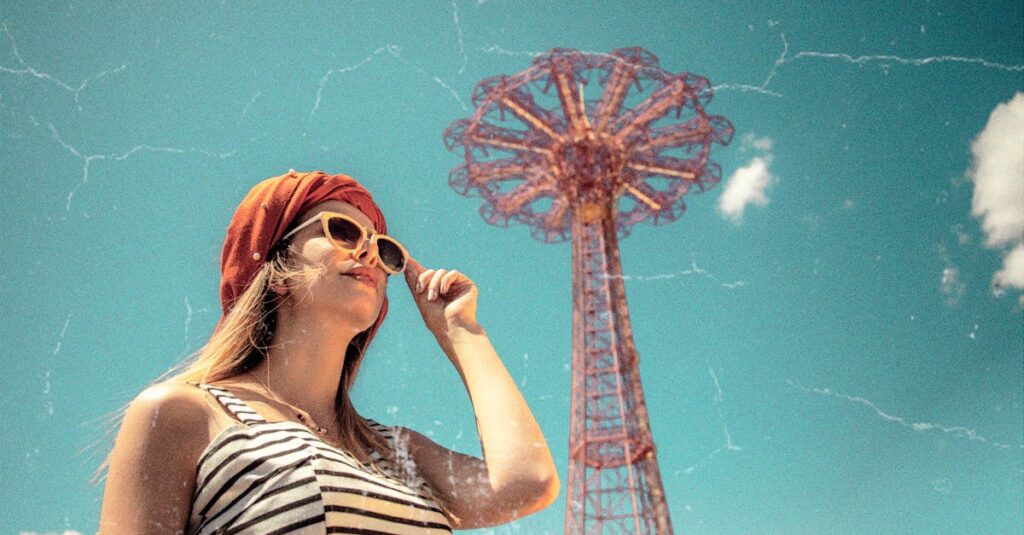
[348, 234]
[391, 254]
[345, 232]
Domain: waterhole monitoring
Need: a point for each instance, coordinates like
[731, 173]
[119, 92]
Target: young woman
[258, 435]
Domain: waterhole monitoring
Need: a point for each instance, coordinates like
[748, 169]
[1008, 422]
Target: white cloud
[951, 285]
[746, 186]
[998, 174]
[763, 144]
[1012, 273]
[962, 237]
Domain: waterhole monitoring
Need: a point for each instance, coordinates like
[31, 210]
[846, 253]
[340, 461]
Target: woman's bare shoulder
[188, 415]
[174, 396]
[152, 464]
[178, 408]
[170, 390]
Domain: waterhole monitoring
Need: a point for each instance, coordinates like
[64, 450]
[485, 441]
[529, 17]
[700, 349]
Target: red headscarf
[267, 212]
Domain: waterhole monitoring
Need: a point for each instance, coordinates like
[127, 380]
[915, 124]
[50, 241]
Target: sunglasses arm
[302, 226]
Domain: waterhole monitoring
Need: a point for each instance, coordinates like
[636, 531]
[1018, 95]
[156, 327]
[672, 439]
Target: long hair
[241, 344]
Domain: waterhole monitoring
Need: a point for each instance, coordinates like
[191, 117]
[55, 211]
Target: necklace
[322, 431]
[306, 420]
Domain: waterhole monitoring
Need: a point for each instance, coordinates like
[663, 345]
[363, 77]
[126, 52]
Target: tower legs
[614, 485]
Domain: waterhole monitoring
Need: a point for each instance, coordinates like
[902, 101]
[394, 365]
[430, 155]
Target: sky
[830, 339]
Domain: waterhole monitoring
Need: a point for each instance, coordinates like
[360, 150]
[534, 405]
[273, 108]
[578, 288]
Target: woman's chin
[360, 320]
[355, 310]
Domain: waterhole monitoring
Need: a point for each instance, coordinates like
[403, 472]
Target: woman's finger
[423, 279]
[448, 279]
[435, 283]
[412, 273]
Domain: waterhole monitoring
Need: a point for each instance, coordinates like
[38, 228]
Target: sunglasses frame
[366, 236]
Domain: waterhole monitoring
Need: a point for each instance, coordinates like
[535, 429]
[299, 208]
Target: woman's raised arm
[517, 475]
[152, 466]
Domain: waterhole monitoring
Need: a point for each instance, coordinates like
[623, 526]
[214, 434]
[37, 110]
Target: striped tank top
[266, 477]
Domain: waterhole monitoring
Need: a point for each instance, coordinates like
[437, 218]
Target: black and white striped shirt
[279, 477]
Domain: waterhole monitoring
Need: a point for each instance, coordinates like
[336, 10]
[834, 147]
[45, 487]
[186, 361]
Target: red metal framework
[618, 141]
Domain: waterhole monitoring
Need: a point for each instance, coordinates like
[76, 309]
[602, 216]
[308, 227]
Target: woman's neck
[304, 363]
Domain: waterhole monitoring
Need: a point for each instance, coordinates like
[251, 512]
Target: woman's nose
[368, 253]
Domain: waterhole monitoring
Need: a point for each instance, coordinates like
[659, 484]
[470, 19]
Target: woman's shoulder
[153, 461]
[173, 407]
[183, 414]
[173, 395]
[169, 389]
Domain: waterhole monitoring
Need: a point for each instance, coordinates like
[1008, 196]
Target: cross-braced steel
[587, 168]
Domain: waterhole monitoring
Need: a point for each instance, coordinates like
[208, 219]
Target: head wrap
[268, 211]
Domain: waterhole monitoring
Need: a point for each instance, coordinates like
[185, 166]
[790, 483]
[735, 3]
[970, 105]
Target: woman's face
[353, 284]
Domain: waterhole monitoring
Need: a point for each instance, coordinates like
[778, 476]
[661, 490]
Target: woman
[258, 435]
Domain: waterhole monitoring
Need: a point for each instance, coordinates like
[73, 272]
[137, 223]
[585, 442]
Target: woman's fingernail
[419, 286]
[431, 294]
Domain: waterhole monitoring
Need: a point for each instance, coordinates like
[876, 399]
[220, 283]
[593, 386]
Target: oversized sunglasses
[348, 235]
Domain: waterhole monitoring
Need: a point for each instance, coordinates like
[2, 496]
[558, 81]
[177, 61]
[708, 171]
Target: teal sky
[834, 361]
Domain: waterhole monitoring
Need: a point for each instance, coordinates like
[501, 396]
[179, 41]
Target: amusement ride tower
[542, 152]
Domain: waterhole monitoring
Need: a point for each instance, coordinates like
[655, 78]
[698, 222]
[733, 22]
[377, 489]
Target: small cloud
[997, 171]
[848, 204]
[942, 485]
[813, 221]
[962, 237]
[745, 186]
[952, 286]
[763, 144]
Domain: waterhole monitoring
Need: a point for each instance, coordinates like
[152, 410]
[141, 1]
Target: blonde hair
[241, 344]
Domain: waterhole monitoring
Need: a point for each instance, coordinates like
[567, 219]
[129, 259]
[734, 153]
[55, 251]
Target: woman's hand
[446, 298]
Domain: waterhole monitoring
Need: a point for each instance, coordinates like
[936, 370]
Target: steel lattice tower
[587, 168]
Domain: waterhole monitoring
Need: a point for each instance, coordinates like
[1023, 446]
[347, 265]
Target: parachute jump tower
[581, 146]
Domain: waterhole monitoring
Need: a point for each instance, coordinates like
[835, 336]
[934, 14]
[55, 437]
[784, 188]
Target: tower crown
[587, 135]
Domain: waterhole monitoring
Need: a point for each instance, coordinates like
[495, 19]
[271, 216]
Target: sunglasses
[348, 235]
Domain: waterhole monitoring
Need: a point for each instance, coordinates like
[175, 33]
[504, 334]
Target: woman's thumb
[412, 272]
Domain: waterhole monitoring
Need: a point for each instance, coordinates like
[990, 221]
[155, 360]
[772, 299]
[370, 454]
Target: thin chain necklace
[306, 420]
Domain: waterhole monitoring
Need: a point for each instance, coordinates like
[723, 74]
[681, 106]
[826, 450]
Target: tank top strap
[238, 408]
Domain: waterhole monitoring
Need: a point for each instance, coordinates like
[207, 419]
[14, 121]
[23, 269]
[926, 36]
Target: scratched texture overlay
[830, 339]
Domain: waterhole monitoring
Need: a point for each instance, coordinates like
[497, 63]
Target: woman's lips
[362, 278]
[362, 275]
